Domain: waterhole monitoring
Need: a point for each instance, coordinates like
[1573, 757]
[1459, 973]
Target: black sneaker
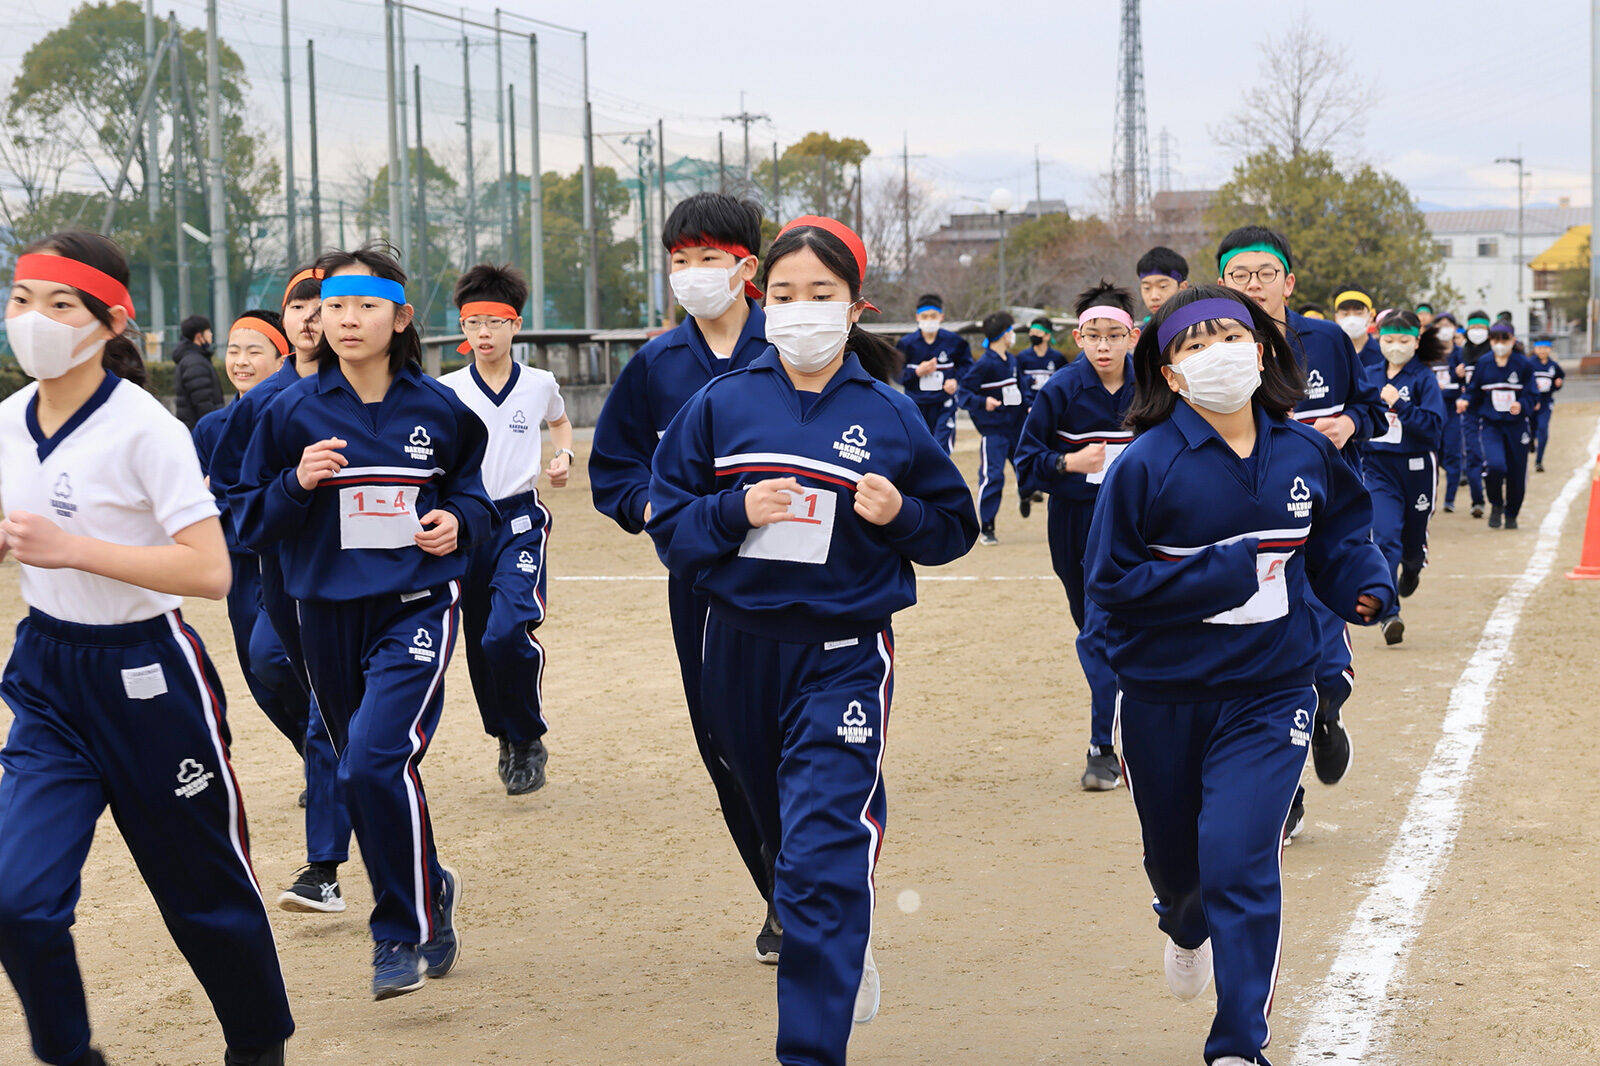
[1330, 751]
[1297, 817]
[1538, 468]
[505, 760]
[92, 1057]
[315, 889]
[986, 535]
[1394, 630]
[1102, 772]
[1462, 481]
[1477, 510]
[301, 802]
[1409, 580]
[1496, 516]
[272, 1056]
[770, 940]
[1025, 504]
[525, 772]
[1511, 521]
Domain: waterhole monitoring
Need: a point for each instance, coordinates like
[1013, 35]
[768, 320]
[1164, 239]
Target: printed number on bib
[1112, 451]
[378, 516]
[804, 538]
[1272, 593]
[933, 382]
[1010, 395]
[1502, 399]
[1544, 384]
[1392, 434]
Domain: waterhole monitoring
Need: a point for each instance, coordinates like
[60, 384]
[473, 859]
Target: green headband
[1397, 329]
[1478, 318]
[1229, 255]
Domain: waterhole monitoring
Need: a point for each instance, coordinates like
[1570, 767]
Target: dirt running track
[606, 919]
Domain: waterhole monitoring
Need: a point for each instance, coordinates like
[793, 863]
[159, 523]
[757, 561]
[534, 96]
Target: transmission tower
[1130, 151]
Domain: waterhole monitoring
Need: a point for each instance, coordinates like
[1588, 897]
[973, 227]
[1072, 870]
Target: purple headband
[1503, 327]
[1162, 274]
[1200, 311]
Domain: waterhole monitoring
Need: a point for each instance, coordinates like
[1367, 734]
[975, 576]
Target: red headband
[841, 231]
[305, 275]
[704, 240]
[40, 266]
[484, 307]
[265, 328]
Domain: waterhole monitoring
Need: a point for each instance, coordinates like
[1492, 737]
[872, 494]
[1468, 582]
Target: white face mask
[47, 349]
[1398, 352]
[1478, 334]
[1501, 350]
[704, 291]
[808, 333]
[929, 326]
[1222, 378]
[1354, 326]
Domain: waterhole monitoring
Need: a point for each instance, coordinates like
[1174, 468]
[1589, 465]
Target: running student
[1208, 531]
[503, 600]
[1463, 363]
[1548, 379]
[1163, 274]
[115, 701]
[936, 361]
[275, 654]
[713, 240]
[255, 350]
[796, 494]
[1500, 398]
[1352, 313]
[1035, 364]
[1437, 348]
[365, 477]
[1072, 435]
[992, 394]
[1401, 465]
[1340, 402]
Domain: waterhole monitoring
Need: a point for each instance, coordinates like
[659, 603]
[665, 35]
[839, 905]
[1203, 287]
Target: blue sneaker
[396, 969]
[442, 951]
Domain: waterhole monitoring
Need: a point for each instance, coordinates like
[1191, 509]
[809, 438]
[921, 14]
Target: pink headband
[1116, 314]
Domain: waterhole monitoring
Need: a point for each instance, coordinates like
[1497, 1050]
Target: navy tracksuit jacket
[1401, 468]
[1548, 379]
[938, 407]
[996, 377]
[1490, 396]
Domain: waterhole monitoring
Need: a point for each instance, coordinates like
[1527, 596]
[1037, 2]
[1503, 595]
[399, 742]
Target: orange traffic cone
[1588, 568]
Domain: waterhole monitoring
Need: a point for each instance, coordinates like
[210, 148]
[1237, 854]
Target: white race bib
[804, 538]
[1544, 383]
[1502, 399]
[933, 382]
[1392, 434]
[378, 516]
[1272, 593]
[1010, 395]
[1112, 451]
[1442, 373]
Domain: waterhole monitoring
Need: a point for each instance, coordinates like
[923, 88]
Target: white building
[1480, 256]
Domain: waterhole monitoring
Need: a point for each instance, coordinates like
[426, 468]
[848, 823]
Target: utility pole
[395, 191]
[661, 215]
[1165, 165]
[516, 190]
[591, 259]
[316, 173]
[221, 300]
[152, 180]
[472, 188]
[744, 118]
[1594, 166]
[536, 200]
[905, 198]
[1517, 162]
[1038, 186]
[290, 244]
[179, 177]
[777, 186]
[405, 137]
[722, 167]
[500, 137]
[422, 202]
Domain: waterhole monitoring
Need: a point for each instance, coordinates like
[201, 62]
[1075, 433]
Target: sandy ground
[606, 919]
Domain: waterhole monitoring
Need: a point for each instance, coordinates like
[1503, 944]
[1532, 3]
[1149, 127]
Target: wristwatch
[568, 453]
[1061, 463]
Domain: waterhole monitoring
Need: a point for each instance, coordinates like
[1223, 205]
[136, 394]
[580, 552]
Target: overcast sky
[974, 87]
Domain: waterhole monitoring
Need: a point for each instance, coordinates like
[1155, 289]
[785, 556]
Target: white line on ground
[1373, 950]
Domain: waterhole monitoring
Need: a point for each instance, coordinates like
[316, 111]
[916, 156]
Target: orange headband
[484, 307]
[265, 328]
[305, 275]
[81, 276]
[846, 236]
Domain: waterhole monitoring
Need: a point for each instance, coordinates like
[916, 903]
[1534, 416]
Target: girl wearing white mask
[796, 494]
[1207, 533]
[115, 700]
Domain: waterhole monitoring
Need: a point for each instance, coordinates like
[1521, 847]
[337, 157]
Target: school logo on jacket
[419, 445]
[193, 779]
[61, 497]
[519, 422]
[1299, 499]
[1405, 393]
[1512, 380]
[854, 729]
[852, 444]
[1316, 388]
[422, 646]
[526, 562]
[1300, 732]
[1422, 502]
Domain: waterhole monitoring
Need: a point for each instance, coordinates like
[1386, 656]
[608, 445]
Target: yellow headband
[1351, 294]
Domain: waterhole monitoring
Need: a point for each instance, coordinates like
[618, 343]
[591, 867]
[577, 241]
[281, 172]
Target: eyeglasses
[1240, 277]
[478, 322]
[1109, 338]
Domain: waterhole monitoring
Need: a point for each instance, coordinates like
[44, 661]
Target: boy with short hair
[1162, 272]
[936, 361]
[503, 596]
[1352, 313]
[992, 394]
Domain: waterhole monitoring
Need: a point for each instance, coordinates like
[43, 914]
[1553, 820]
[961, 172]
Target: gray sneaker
[1103, 772]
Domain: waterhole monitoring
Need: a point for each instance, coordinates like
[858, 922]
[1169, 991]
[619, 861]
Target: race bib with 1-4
[933, 382]
[1010, 395]
[1272, 593]
[1392, 434]
[1502, 399]
[1112, 451]
[1544, 384]
[804, 538]
[378, 516]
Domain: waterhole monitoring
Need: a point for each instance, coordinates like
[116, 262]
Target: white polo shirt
[121, 469]
[513, 461]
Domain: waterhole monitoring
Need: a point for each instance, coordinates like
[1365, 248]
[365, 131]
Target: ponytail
[878, 357]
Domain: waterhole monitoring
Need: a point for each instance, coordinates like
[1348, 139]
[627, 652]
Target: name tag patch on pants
[144, 682]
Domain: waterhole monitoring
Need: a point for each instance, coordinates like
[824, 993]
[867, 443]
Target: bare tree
[894, 208]
[1305, 99]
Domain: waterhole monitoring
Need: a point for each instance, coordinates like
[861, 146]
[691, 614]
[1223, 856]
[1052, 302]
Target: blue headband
[930, 307]
[1200, 311]
[363, 285]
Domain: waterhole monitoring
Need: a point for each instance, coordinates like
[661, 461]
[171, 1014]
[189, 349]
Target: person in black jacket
[194, 379]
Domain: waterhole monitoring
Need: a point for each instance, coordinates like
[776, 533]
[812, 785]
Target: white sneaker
[1188, 972]
[1232, 1060]
[867, 994]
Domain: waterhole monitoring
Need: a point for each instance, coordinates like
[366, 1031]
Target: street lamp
[1000, 203]
[1517, 162]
